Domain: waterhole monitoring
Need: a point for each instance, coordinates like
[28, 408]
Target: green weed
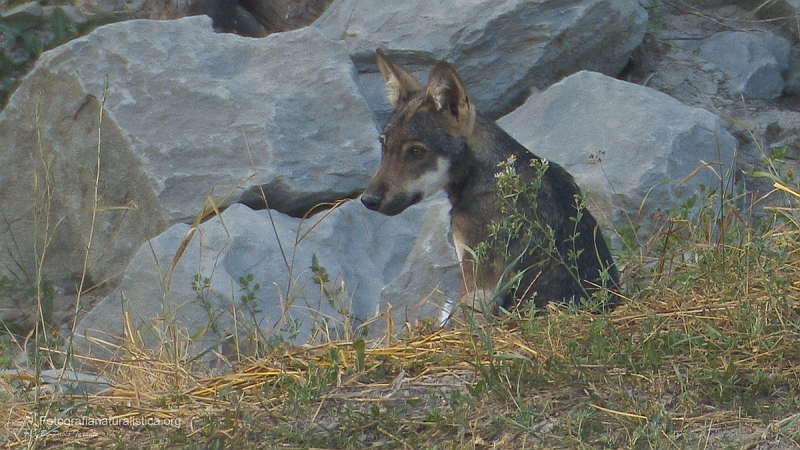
[23, 41]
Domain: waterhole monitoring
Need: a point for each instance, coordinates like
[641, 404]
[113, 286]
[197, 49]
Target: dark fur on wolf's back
[436, 140]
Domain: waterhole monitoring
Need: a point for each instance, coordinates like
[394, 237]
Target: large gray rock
[754, 62]
[635, 150]
[374, 264]
[502, 48]
[188, 113]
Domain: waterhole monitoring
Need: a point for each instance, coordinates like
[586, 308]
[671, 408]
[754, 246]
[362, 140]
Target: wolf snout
[390, 205]
[371, 201]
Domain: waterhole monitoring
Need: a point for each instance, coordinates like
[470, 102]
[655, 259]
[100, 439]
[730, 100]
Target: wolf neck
[473, 172]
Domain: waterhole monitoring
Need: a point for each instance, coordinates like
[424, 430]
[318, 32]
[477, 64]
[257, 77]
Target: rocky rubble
[671, 63]
[190, 114]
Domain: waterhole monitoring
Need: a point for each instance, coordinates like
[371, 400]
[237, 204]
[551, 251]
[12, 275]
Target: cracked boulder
[639, 154]
[188, 114]
[501, 48]
[303, 280]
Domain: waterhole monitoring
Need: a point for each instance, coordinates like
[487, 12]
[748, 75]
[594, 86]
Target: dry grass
[703, 354]
[688, 362]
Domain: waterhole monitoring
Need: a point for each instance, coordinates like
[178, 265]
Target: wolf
[436, 140]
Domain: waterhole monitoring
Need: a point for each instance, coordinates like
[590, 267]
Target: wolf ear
[399, 83]
[448, 94]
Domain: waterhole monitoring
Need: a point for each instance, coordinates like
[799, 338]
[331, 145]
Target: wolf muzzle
[376, 200]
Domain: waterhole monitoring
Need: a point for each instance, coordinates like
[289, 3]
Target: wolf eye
[416, 151]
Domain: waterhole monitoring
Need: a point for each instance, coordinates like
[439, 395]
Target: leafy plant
[521, 220]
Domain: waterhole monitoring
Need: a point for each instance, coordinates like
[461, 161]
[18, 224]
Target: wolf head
[429, 129]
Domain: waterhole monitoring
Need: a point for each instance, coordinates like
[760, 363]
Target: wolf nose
[371, 201]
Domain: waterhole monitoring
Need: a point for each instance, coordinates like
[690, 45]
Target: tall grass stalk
[45, 227]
